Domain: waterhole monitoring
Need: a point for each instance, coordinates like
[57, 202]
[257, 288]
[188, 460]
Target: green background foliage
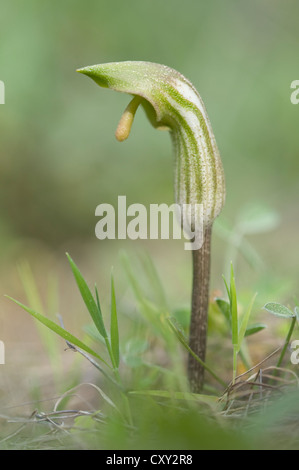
[59, 158]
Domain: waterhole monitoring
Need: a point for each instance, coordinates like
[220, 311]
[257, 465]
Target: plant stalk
[287, 341]
[199, 312]
[235, 362]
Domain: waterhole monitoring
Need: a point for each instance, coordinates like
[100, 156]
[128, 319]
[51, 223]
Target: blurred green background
[59, 158]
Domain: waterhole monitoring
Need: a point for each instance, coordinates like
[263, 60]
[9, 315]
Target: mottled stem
[199, 312]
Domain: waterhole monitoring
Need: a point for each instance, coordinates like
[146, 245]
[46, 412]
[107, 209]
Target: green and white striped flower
[172, 102]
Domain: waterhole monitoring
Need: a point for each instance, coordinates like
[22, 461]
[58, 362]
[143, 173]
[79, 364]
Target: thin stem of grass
[244, 360]
[115, 369]
[184, 342]
[109, 350]
[108, 345]
[235, 362]
[207, 368]
[120, 382]
[288, 338]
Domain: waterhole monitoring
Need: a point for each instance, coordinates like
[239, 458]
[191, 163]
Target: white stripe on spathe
[187, 189]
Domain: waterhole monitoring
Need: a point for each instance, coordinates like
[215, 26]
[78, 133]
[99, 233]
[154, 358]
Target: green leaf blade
[227, 288]
[114, 332]
[254, 328]
[244, 323]
[234, 308]
[224, 307]
[88, 299]
[183, 340]
[58, 330]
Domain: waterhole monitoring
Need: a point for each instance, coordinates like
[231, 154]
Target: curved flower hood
[172, 102]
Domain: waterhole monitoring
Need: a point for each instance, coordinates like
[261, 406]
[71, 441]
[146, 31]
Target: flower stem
[235, 362]
[199, 312]
[288, 339]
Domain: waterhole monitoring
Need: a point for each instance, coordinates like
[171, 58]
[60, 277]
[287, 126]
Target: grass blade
[211, 400]
[287, 341]
[114, 334]
[181, 337]
[227, 288]
[35, 302]
[154, 280]
[254, 328]
[138, 293]
[88, 299]
[224, 307]
[68, 337]
[244, 323]
[234, 308]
